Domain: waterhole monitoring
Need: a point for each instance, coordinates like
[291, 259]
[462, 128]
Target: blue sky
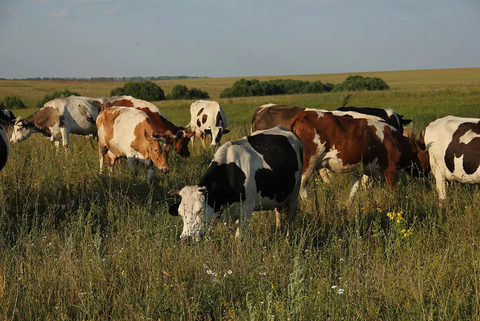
[216, 38]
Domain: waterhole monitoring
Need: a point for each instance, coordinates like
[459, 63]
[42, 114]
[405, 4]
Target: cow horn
[175, 192]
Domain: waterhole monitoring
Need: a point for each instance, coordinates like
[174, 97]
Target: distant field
[79, 245]
[31, 91]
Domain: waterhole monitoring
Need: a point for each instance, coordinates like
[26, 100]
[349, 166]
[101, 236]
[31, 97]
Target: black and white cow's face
[216, 132]
[194, 210]
[21, 131]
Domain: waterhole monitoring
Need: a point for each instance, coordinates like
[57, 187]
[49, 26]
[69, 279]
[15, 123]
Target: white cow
[208, 117]
[60, 117]
[453, 144]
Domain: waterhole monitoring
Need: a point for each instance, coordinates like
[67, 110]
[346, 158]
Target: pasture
[76, 245]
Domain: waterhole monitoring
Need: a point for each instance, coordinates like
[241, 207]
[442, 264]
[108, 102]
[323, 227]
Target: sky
[233, 38]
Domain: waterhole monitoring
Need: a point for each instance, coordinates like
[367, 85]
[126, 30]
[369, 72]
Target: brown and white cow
[59, 118]
[181, 136]
[344, 144]
[271, 115]
[130, 133]
[208, 118]
[453, 144]
[4, 149]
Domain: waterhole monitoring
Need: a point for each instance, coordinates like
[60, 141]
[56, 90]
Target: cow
[58, 118]
[208, 118]
[7, 118]
[4, 148]
[453, 144]
[344, 144]
[388, 115]
[261, 171]
[180, 136]
[129, 133]
[271, 115]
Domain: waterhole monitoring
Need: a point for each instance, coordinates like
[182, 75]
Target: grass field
[76, 245]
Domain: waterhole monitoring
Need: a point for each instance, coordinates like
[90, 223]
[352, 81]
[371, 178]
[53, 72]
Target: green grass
[78, 246]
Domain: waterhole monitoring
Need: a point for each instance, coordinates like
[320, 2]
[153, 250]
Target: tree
[146, 90]
[12, 102]
[56, 94]
[358, 83]
[182, 92]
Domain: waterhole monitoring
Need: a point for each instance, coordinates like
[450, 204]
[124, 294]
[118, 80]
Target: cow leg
[278, 220]
[150, 174]
[57, 144]
[304, 183]
[355, 185]
[132, 165]
[325, 174]
[365, 179]
[101, 154]
[441, 184]
[65, 134]
[244, 218]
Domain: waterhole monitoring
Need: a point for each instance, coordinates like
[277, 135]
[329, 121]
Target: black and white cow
[453, 144]
[4, 149]
[262, 171]
[208, 118]
[7, 118]
[388, 115]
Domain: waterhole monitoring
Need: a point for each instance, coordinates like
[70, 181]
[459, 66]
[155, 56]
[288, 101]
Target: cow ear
[226, 131]
[203, 190]
[175, 192]
[406, 121]
[173, 209]
[189, 133]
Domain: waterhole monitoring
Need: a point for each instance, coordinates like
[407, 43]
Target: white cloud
[42, 1]
[110, 12]
[60, 14]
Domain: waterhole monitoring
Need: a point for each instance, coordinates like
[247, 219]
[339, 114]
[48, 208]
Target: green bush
[358, 83]
[56, 94]
[254, 87]
[12, 102]
[145, 90]
[182, 92]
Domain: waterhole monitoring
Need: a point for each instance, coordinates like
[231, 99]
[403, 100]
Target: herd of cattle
[271, 167]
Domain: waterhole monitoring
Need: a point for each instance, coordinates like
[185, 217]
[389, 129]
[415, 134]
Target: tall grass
[76, 245]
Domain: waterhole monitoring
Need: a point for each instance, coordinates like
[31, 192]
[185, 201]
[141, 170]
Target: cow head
[180, 142]
[157, 150]
[194, 210]
[421, 159]
[216, 132]
[22, 129]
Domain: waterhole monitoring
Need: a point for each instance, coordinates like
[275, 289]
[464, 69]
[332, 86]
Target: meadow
[76, 245]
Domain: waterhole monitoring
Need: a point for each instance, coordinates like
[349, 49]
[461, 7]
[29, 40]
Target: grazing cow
[4, 150]
[60, 117]
[257, 172]
[129, 132]
[7, 118]
[208, 117]
[388, 115]
[271, 115]
[180, 136]
[453, 144]
[343, 144]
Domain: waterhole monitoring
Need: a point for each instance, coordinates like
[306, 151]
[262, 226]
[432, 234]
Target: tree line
[254, 87]
[148, 90]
